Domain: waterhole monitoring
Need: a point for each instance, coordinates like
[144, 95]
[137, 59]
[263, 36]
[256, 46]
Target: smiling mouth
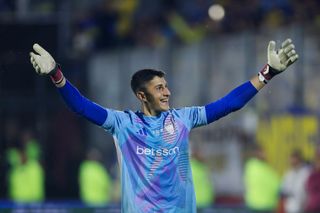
[164, 101]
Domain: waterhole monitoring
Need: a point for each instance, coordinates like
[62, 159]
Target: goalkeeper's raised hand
[278, 60]
[44, 64]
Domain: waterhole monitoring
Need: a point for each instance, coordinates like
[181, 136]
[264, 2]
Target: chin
[163, 109]
[166, 108]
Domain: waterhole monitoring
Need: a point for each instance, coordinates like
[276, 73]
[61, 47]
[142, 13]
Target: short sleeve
[115, 121]
[193, 116]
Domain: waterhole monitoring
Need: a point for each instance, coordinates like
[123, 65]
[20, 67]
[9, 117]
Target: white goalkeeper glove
[278, 60]
[44, 64]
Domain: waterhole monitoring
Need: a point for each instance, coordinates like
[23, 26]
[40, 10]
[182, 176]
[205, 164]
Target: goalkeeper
[152, 143]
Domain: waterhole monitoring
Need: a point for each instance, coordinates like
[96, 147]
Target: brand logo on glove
[266, 70]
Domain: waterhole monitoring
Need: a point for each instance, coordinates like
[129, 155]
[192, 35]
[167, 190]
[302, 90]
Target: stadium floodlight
[216, 12]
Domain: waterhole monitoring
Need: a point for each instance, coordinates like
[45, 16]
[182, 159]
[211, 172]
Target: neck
[147, 111]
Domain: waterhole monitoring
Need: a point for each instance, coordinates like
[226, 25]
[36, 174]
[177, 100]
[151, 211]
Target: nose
[166, 92]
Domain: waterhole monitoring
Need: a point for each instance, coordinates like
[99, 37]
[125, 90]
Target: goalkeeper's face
[157, 95]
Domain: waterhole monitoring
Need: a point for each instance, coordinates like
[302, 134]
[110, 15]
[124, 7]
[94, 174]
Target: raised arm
[278, 61]
[44, 64]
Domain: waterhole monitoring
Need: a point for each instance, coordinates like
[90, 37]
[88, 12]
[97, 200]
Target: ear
[141, 96]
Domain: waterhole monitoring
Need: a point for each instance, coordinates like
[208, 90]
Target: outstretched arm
[44, 64]
[233, 101]
[278, 61]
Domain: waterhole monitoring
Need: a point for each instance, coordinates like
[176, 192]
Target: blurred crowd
[106, 24]
[30, 177]
[296, 191]
[112, 23]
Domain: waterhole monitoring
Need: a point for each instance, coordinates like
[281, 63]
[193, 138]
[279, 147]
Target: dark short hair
[141, 77]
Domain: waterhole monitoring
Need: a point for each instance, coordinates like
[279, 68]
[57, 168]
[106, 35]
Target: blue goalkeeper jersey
[153, 151]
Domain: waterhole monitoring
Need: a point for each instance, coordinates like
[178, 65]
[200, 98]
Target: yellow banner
[280, 135]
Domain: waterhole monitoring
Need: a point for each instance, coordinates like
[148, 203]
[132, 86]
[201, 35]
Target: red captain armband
[56, 75]
[267, 73]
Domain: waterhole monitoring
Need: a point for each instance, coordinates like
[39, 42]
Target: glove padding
[282, 58]
[278, 60]
[42, 61]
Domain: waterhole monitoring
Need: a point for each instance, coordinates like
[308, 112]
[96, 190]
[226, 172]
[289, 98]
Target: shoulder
[121, 112]
[118, 116]
[187, 109]
[176, 112]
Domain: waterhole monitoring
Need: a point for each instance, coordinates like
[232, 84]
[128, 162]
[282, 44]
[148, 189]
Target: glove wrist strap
[267, 73]
[57, 76]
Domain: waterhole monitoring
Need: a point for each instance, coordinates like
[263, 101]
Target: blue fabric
[153, 152]
[82, 106]
[233, 101]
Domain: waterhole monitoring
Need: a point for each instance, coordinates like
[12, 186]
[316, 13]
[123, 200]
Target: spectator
[201, 179]
[94, 181]
[293, 185]
[26, 175]
[313, 186]
[261, 183]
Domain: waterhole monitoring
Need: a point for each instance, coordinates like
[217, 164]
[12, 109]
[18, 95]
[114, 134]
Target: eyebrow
[161, 84]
